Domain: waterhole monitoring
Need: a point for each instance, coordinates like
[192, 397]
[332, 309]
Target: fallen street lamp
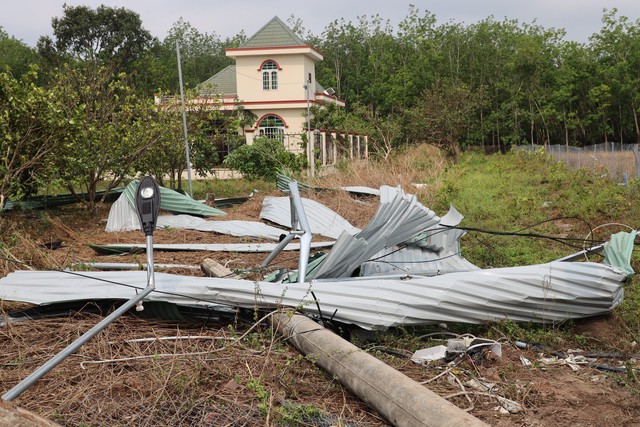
[148, 204]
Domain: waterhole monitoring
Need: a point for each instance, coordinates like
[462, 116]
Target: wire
[564, 240]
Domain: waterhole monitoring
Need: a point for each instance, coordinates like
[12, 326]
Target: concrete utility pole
[310, 156]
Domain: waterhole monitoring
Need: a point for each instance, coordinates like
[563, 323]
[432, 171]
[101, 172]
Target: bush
[262, 159]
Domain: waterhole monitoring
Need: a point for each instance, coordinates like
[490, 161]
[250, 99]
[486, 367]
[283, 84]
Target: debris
[213, 268]
[322, 220]
[230, 227]
[48, 202]
[123, 215]
[437, 352]
[554, 291]
[126, 266]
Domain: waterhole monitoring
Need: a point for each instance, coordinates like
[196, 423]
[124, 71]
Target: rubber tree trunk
[399, 399]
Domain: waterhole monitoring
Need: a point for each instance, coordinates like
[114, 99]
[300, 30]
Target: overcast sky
[29, 19]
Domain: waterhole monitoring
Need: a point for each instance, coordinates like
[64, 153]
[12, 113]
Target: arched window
[272, 126]
[269, 75]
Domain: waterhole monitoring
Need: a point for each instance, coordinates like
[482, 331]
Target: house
[274, 78]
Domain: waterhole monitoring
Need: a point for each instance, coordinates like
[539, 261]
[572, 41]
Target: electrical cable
[518, 233]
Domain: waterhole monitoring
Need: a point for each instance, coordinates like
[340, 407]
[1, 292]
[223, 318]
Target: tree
[31, 127]
[444, 115]
[15, 55]
[108, 127]
[106, 35]
[263, 159]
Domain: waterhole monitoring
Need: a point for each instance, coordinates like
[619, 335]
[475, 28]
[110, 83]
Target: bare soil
[236, 372]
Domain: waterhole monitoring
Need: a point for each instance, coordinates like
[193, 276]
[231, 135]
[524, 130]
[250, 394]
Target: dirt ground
[237, 371]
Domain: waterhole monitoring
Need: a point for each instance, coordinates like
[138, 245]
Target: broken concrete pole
[14, 416]
[399, 399]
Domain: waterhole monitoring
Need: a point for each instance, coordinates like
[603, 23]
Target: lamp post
[148, 204]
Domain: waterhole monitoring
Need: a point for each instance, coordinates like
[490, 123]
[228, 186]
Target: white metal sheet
[554, 291]
[322, 220]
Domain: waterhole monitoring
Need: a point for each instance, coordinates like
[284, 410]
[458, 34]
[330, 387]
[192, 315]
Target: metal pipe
[71, 348]
[305, 239]
[184, 120]
[284, 242]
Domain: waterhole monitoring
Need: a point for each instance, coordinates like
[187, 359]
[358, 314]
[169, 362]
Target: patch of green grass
[530, 193]
[230, 187]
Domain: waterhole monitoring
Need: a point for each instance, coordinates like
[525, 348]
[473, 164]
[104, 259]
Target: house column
[366, 146]
[351, 150]
[334, 138]
[323, 146]
[249, 136]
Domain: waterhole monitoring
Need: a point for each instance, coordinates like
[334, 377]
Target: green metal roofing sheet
[618, 250]
[224, 82]
[175, 202]
[275, 33]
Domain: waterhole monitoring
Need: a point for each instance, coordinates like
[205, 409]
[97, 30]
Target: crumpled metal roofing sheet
[399, 218]
[232, 227]
[122, 217]
[175, 202]
[322, 220]
[545, 292]
[414, 260]
[433, 251]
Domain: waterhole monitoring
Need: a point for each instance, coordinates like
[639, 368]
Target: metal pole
[184, 120]
[147, 204]
[71, 348]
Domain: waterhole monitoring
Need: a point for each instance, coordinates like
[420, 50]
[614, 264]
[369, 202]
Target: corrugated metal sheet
[399, 218]
[204, 247]
[48, 202]
[122, 217]
[358, 189]
[128, 266]
[322, 220]
[282, 183]
[175, 202]
[554, 291]
[232, 227]
[414, 260]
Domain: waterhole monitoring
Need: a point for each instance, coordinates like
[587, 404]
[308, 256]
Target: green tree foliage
[106, 35]
[537, 88]
[444, 115]
[108, 128]
[212, 132]
[15, 55]
[31, 127]
[262, 159]
[201, 54]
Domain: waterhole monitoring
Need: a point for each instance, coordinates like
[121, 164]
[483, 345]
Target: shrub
[262, 159]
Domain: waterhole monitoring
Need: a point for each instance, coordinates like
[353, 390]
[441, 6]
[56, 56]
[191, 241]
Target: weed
[295, 414]
[262, 395]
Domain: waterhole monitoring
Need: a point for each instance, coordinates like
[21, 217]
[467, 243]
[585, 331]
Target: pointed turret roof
[274, 33]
